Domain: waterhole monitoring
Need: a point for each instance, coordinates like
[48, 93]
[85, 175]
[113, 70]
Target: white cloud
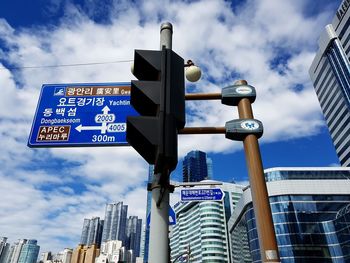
[48, 193]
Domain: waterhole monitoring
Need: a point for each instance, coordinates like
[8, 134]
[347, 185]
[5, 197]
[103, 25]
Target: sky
[46, 193]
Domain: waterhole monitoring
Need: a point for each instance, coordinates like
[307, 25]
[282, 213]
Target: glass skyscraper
[311, 214]
[133, 233]
[196, 166]
[29, 252]
[330, 74]
[115, 222]
[92, 231]
[16, 250]
[4, 250]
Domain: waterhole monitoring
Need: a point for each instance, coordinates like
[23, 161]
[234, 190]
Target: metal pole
[203, 96]
[166, 34]
[203, 130]
[158, 240]
[261, 204]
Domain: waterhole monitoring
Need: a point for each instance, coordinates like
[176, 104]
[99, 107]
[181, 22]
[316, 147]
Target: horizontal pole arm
[203, 130]
[203, 96]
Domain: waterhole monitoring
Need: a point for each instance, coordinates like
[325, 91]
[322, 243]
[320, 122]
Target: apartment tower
[330, 74]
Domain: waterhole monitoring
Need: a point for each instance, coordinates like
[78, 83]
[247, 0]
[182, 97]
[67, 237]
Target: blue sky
[46, 193]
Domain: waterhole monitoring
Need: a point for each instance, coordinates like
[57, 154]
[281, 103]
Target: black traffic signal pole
[159, 225]
[159, 97]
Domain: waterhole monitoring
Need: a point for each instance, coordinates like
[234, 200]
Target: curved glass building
[200, 234]
[311, 215]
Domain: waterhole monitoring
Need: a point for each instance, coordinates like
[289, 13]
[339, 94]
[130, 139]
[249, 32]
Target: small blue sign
[209, 194]
[172, 217]
[81, 115]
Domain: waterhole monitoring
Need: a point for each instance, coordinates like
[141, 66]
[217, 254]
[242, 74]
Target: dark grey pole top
[166, 33]
[166, 25]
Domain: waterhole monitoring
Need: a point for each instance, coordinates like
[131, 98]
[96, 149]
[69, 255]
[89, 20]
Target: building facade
[29, 252]
[85, 254]
[133, 233]
[330, 74]
[64, 256]
[115, 222]
[46, 257]
[110, 252]
[196, 166]
[310, 210]
[148, 212]
[10, 254]
[16, 251]
[92, 231]
[4, 249]
[200, 234]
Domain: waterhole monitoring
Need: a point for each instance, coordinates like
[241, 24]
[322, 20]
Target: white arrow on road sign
[105, 109]
[90, 128]
[104, 120]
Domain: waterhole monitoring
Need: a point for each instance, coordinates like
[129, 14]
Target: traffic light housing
[159, 97]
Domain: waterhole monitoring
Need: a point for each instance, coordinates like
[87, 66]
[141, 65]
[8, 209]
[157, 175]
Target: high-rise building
[29, 252]
[85, 254]
[148, 212]
[4, 249]
[311, 215]
[196, 166]
[46, 257]
[142, 247]
[115, 222]
[200, 233]
[17, 250]
[92, 231]
[330, 74]
[123, 257]
[10, 254]
[210, 168]
[64, 256]
[110, 252]
[133, 233]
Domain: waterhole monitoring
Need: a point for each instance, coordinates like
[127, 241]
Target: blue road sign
[172, 217]
[81, 115]
[208, 194]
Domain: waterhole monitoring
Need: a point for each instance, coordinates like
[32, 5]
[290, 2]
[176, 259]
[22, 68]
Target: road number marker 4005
[116, 127]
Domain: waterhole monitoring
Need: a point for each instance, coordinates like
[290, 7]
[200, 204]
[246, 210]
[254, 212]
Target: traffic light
[159, 97]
